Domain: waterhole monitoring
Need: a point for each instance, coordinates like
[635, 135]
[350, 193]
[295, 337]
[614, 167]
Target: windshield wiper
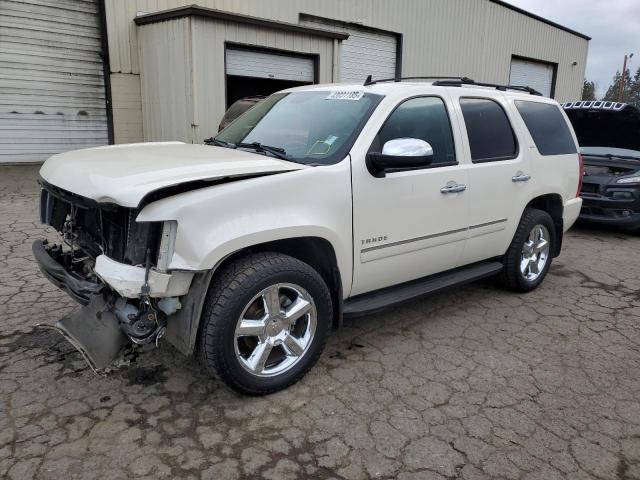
[611, 156]
[259, 147]
[219, 143]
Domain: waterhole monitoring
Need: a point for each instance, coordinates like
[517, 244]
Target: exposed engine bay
[596, 166]
[115, 313]
[609, 138]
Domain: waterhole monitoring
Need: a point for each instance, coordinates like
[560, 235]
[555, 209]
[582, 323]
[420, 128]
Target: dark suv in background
[609, 138]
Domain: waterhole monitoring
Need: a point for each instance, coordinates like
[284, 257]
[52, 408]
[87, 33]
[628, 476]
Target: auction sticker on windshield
[345, 95]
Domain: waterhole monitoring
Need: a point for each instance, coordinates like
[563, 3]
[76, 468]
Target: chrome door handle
[521, 177]
[453, 188]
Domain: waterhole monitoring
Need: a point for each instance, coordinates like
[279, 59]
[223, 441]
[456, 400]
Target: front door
[410, 224]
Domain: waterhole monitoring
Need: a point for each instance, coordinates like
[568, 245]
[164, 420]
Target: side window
[547, 126]
[425, 118]
[491, 137]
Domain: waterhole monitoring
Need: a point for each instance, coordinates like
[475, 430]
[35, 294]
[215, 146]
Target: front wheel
[528, 259]
[265, 323]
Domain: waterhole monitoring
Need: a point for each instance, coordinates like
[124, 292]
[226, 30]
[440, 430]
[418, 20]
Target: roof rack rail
[503, 88]
[451, 81]
[370, 81]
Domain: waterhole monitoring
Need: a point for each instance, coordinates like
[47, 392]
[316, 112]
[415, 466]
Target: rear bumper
[570, 213]
[608, 211]
[78, 288]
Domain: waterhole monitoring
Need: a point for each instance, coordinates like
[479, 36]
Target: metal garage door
[365, 52]
[537, 75]
[51, 84]
[259, 64]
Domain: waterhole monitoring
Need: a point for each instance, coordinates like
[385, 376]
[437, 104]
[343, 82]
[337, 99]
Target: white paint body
[124, 174]
[342, 203]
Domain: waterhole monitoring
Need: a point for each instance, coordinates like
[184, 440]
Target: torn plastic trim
[128, 280]
[79, 289]
[95, 332]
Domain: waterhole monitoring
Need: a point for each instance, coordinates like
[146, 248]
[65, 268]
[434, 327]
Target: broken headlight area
[99, 228]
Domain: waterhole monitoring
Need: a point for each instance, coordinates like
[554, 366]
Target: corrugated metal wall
[451, 37]
[183, 64]
[167, 81]
[52, 95]
[365, 52]
[258, 64]
[127, 108]
[536, 75]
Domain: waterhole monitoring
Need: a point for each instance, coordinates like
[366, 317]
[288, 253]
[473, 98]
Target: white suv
[317, 203]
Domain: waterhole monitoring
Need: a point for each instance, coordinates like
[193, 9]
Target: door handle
[521, 177]
[453, 188]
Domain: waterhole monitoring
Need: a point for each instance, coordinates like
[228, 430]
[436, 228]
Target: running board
[379, 299]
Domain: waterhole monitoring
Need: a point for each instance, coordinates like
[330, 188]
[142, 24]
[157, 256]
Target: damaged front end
[611, 191]
[115, 267]
[609, 137]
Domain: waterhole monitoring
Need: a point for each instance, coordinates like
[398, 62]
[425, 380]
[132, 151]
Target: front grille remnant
[98, 228]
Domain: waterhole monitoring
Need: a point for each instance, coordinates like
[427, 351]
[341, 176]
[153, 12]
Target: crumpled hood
[599, 127]
[125, 174]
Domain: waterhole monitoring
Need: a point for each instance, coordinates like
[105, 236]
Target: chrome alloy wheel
[275, 330]
[535, 253]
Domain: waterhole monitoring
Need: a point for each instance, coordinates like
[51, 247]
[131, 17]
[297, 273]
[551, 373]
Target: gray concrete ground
[473, 383]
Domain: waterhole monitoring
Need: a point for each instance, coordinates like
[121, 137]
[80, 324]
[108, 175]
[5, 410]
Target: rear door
[500, 181]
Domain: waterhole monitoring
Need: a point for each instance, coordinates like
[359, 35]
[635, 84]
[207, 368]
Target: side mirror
[400, 154]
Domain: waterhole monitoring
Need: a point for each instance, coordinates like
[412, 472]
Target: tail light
[580, 173]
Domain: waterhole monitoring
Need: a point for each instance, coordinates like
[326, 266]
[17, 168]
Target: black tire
[511, 276]
[231, 291]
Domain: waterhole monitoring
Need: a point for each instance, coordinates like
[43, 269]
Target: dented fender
[215, 222]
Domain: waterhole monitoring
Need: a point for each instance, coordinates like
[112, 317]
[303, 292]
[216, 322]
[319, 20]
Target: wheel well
[314, 251]
[552, 204]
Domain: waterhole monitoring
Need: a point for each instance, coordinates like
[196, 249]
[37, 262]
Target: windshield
[312, 127]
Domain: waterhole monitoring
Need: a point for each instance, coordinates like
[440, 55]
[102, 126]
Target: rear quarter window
[548, 127]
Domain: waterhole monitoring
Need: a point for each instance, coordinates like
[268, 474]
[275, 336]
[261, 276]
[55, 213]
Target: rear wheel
[265, 323]
[528, 259]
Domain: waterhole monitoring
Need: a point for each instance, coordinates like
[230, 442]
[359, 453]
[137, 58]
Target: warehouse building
[79, 73]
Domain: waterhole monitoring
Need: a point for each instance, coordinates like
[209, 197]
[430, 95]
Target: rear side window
[491, 137]
[548, 127]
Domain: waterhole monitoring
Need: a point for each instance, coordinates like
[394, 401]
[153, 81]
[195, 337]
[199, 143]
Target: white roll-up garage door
[365, 52]
[51, 84]
[259, 64]
[537, 75]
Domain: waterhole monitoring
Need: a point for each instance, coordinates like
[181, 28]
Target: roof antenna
[368, 81]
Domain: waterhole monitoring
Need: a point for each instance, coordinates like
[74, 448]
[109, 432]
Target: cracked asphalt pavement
[473, 383]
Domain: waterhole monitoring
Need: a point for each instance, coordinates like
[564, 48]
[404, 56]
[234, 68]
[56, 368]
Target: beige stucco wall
[476, 38]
